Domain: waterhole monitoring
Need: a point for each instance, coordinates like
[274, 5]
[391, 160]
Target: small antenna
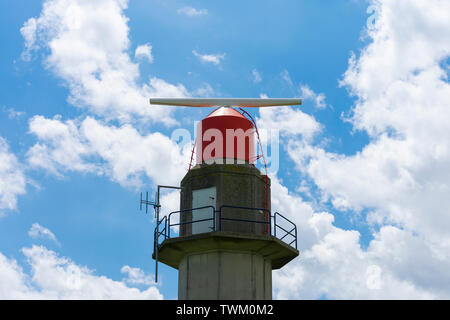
[157, 206]
[147, 203]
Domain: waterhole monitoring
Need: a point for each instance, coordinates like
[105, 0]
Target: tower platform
[173, 250]
[224, 265]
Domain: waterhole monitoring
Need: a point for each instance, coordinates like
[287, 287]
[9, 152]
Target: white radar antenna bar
[225, 102]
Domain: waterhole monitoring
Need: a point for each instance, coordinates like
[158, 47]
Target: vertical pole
[168, 223]
[192, 155]
[157, 226]
[214, 218]
[270, 223]
[157, 207]
[275, 224]
[295, 226]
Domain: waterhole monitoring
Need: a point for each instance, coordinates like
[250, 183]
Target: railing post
[295, 236]
[168, 231]
[165, 229]
[270, 223]
[275, 224]
[220, 219]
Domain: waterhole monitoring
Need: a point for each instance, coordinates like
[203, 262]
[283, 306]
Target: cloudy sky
[364, 163]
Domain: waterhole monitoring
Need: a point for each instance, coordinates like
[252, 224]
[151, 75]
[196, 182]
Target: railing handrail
[240, 207]
[245, 220]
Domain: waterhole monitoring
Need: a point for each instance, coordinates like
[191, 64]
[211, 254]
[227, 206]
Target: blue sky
[363, 163]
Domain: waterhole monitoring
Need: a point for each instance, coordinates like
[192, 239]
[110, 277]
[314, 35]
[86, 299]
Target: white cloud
[308, 94]
[37, 231]
[14, 283]
[333, 264]
[170, 202]
[192, 12]
[286, 77]
[205, 91]
[87, 44]
[402, 175]
[256, 76]
[119, 152]
[136, 276]
[12, 178]
[54, 277]
[13, 114]
[400, 178]
[288, 121]
[337, 268]
[29, 33]
[144, 51]
[209, 58]
[64, 148]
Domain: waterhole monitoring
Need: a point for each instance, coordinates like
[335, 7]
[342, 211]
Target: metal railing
[159, 233]
[213, 218]
[288, 235]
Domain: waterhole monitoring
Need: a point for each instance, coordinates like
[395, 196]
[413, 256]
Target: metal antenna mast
[157, 206]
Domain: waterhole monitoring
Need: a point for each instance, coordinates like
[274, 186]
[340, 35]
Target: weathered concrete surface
[237, 185]
[221, 274]
[225, 265]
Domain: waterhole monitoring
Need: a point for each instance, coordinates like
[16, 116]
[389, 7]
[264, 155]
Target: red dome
[220, 112]
[225, 134]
